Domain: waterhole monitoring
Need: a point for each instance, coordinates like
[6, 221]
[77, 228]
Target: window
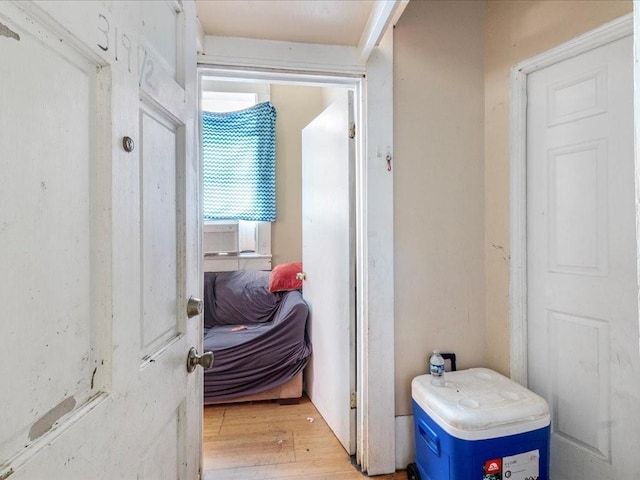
[239, 164]
[237, 235]
[227, 101]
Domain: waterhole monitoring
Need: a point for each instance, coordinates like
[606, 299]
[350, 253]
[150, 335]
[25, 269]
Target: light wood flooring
[266, 440]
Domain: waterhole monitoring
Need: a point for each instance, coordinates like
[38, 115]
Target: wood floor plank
[268, 441]
[258, 450]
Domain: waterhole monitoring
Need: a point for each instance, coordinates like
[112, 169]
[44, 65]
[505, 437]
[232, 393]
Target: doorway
[372, 78]
[308, 100]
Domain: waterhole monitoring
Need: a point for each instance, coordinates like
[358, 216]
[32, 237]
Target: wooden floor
[266, 440]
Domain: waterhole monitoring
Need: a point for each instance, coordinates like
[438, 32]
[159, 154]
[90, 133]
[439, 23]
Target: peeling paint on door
[44, 423]
[7, 32]
[6, 475]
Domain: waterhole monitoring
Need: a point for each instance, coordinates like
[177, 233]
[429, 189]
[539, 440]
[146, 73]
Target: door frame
[372, 80]
[600, 36]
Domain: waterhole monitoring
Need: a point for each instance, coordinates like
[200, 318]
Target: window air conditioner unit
[220, 238]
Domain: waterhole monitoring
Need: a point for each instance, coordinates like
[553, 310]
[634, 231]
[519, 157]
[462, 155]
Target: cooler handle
[429, 436]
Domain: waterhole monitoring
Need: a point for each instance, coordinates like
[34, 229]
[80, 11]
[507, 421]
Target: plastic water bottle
[436, 367]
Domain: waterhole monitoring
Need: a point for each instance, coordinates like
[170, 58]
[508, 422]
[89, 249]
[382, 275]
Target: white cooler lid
[479, 403]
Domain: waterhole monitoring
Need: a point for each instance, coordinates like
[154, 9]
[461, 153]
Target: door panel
[161, 32]
[158, 245]
[575, 342]
[577, 208]
[101, 245]
[328, 238]
[47, 233]
[582, 283]
[164, 457]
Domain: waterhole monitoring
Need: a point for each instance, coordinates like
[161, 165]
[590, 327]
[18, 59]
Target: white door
[328, 162]
[582, 284]
[99, 245]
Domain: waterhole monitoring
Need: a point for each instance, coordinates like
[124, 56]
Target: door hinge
[354, 400]
[352, 130]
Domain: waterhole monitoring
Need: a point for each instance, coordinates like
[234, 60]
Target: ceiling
[329, 22]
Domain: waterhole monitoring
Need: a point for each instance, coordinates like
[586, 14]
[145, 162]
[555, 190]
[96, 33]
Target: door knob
[301, 276]
[194, 307]
[127, 144]
[193, 359]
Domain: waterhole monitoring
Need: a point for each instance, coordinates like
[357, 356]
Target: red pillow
[283, 277]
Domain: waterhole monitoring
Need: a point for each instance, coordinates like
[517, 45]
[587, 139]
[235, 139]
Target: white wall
[439, 188]
[330, 95]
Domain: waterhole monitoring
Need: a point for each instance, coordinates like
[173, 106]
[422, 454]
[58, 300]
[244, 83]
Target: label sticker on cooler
[524, 466]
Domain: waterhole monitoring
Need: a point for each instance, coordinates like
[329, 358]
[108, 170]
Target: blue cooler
[478, 426]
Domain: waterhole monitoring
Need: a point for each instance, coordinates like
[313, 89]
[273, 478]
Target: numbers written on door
[113, 39]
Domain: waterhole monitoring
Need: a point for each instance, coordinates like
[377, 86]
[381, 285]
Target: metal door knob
[194, 307]
[128, 144]
[301, 276]
[193, 359]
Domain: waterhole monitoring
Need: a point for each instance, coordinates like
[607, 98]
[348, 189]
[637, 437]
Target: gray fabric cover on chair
[258, 338]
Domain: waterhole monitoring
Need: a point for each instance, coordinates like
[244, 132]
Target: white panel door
[328, 156]
[582, 285]
[100, 245]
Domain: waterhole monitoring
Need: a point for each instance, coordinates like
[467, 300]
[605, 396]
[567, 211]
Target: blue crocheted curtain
[239, 164]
